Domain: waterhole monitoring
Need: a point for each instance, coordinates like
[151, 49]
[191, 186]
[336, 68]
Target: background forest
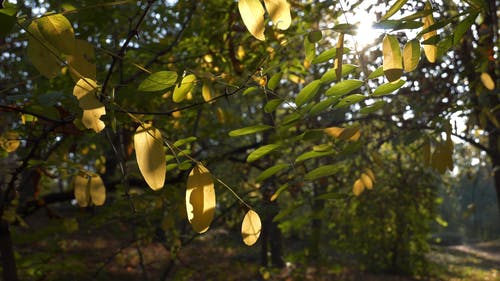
[249, 140]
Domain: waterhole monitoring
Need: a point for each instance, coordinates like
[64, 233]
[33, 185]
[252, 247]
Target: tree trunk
[7, 252]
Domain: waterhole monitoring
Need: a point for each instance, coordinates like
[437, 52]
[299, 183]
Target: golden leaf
[487, 81]
[10, 141]
[148, 145]
[393, 61]
[358, 187]
[81, 190]
[251, 228]
[252, 13]
[85, 91]
[97, 190]
[200, 198]
[279, 11]
[430, 50]
[367, 181]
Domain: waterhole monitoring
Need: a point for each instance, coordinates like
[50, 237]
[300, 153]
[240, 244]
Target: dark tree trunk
[271, 234]
[7, 252]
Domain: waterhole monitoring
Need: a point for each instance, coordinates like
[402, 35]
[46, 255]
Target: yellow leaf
[369, 173]
[411, 55]
[85, 91]
[350, 134]
[393, 61]
[81, 190]
[9, 141]
[279, 10]
[487, 81]
[358, 187]
[252, 13]
[57, 30]
[367, 181]
[41, 53]
[206, 92]
[97, 190]
[148, 145]
[200, 198]
[82, 61]
[251, 227]
[182, 90]
[221, 115]
[430, 50]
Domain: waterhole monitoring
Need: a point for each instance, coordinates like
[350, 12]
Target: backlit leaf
[82, 61]
[252, 13]
[376, 73]
[358, 187]
[81, 190]
[57, 30]
[344, 87]
[411, 55]
[42, 54]
[262, 151]
[279, 11]
[388, 88]
[249, 130]
[97, 190]
[487, 81]
[182, 90]
[308, 93]
[207, 92]
[85, 91]
[370, 173]
[251, 228]
[323, 171]
[271, 171]
[394, 8]
[393, 62]
[350, 134]
[325, 56]
[10, 141]
[158, 81]
[331, 75]
[148, 145]
[429, 50]
[367, 181]
[274, 81]
[200, 198]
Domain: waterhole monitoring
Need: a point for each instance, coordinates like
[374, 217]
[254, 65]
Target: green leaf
[262, 151]
[42, 54]
[185, 141]
[313, 154]
[158, 81]
[345, 28]
[251, 90]
[394, 8]
[181, 91]
[388, 88]
[343, 87]
[323, 171]
[372, 108]
[57, 30]
[411, 55]
[278, 192]
[269, 172]
[397, 24]
[314, 36]
[272, 105]
[325, 56]
[331, 76]
[462, 27]
[417, 15]
[274, 81]
[350, 100]
[393, 62]
[308, 93]
[7, 20]
[322, 106]
[249, 130]
[376, 73]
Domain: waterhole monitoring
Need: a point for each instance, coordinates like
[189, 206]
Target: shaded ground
[114, 253]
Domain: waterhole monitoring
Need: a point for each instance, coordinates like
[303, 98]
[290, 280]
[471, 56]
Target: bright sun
[366, 34]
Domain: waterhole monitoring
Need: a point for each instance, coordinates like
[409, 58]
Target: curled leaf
[200, 198]
[148, 144]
